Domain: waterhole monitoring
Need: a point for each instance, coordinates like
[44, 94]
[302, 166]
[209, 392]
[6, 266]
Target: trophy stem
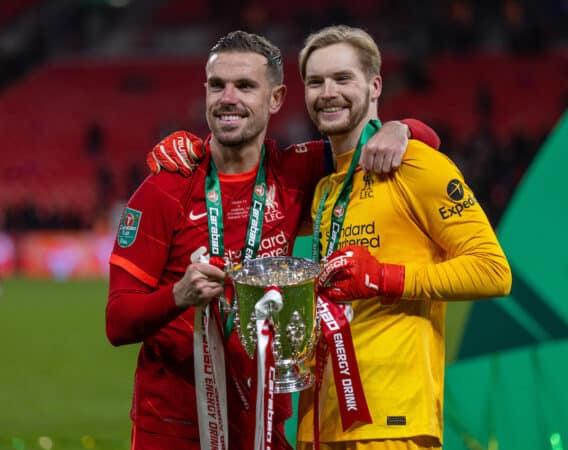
[292, 376]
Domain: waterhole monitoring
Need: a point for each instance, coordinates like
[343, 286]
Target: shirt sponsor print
[275, 245]
[456, 192]
[128, 228]
[359, 234]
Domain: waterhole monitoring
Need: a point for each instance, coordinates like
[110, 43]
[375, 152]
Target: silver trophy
[291, 308]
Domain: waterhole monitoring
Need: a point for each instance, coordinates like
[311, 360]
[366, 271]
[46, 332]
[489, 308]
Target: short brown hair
[241, 41]
[359, 39]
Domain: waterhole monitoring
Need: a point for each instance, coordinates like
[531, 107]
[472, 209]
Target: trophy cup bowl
[295, 320]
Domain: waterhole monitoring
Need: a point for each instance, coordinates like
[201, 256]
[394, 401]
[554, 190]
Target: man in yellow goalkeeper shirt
[397, 248]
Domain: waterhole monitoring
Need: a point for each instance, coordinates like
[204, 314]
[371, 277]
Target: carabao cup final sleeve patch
[128, 228]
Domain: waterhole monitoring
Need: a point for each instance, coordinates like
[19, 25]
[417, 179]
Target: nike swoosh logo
[196, 216]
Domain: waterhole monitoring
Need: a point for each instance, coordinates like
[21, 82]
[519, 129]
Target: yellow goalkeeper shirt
[425, 217]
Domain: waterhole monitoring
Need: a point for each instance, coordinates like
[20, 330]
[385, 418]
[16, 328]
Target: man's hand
[384, 151]
[353, 273]
[201, 283]
[180, 151]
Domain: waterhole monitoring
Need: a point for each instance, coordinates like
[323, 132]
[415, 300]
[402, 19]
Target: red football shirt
[163, 225]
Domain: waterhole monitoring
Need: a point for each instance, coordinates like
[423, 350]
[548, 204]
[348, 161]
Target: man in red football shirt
[159, 282]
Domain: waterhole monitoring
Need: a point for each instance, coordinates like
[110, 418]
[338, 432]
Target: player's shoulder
[421, 156]
[427, 170]
[168, 185]
[303, 157]
[299, 165]
[303, 150]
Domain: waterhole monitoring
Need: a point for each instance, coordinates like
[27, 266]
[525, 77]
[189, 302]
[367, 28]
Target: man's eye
[313, 83]
[215, 86]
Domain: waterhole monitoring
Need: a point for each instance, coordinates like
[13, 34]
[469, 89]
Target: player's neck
[343, 143]
[235, 159]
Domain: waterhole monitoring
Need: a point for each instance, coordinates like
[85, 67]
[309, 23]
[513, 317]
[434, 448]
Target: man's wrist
[177, 291]
[391, 283]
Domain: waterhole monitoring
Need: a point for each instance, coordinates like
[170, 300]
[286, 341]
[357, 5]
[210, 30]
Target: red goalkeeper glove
[353, 273]
[180, 151]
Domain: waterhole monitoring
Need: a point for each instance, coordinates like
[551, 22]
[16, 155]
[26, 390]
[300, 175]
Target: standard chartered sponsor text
[275, 245]
[358, 234]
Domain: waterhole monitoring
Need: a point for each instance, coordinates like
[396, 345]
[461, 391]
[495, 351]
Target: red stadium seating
[11, 9]
[44, 118]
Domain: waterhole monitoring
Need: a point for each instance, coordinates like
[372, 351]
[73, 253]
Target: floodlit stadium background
[88, 86]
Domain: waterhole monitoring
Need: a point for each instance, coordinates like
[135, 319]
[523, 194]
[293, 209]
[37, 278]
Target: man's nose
[329, 89]
[229, 94]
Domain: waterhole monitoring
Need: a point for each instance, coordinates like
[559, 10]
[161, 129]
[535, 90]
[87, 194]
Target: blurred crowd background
[87, 87]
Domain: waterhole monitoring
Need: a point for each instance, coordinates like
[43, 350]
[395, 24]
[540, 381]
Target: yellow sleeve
[446, 209]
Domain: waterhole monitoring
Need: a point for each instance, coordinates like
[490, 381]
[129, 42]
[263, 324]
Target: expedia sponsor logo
[456, 210]
[357, 234]
[456, 192]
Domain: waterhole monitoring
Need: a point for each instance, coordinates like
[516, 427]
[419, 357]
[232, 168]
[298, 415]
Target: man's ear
[277, 98]
[377, 87]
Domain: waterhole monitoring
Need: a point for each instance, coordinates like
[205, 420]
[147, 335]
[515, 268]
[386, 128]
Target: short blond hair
[359, 39]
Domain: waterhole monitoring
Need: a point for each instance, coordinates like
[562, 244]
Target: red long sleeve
[134, 311]
[422, 132]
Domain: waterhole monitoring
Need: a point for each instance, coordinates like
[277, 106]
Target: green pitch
[62, 385]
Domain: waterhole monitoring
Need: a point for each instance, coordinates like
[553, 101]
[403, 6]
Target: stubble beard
[238, 140]
[353, 120]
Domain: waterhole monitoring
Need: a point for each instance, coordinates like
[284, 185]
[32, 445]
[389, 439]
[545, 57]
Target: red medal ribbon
[263, 426]
[270, 375]
[265, 431]
[321, 362]
[337, 334]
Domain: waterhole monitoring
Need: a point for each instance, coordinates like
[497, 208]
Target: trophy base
[292, 378]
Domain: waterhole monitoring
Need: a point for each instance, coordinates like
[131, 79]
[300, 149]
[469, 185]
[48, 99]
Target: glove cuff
[391, 283]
